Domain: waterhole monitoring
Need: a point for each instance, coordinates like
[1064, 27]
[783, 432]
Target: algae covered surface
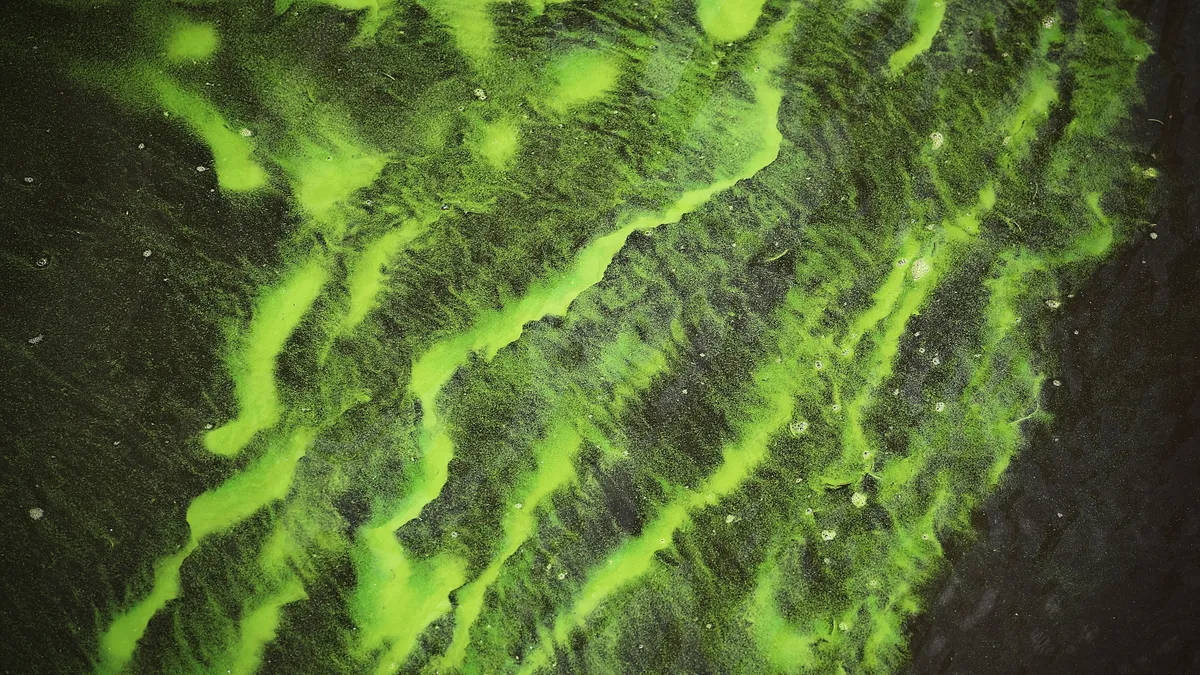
[373, 336]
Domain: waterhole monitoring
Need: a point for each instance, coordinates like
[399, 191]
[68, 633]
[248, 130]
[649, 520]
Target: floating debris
[36, 513]
[920, 268]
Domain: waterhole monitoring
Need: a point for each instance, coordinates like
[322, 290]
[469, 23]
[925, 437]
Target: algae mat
[370, 336]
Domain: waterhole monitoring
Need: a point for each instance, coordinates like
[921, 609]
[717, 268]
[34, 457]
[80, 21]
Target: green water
[604, 337]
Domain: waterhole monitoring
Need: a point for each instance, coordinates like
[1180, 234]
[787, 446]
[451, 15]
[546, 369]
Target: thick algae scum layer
[602, 337]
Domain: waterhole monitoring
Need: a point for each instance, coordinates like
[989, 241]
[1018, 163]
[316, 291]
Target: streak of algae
[1000, 386]
[920, 489]
[627, 363]
[926, 16]
[252, 362]
[383, 561]
[267, 480]
[232, 153]
[738, 459]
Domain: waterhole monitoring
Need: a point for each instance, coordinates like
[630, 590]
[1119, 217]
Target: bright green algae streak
[650, 337]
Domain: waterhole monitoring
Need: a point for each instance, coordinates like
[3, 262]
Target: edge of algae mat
[397, 302]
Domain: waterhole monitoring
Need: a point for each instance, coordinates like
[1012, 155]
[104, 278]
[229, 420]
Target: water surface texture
[374, 336]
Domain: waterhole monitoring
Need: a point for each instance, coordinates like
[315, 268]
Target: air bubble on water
[518, 505]
[828, 535]
[454, 535]
[28, 179]
[246, 132]
[729, 519]
[207, 426]
[940, 406]
[36, 513]
[902, 262]
[925, 537]
[146, 253]
[820, 365]
[141, 146]
[938, 139]
[1057, 383]
[562, 575]
[1053, 304]
[920, 350]
[798, 428]
[936, 361]
[836, 407]
[808, 512]
[1154, 235]
[480, 94]
[202, 169]
[858, 499]
[42, 262]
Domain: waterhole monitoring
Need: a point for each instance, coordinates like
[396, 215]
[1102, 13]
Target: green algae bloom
[613, 337]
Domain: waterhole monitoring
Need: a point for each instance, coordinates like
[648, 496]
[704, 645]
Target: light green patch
[496, 142]
[326, 173]
[580, 77]
[728, 20]
[192, 41]
[469, 22]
